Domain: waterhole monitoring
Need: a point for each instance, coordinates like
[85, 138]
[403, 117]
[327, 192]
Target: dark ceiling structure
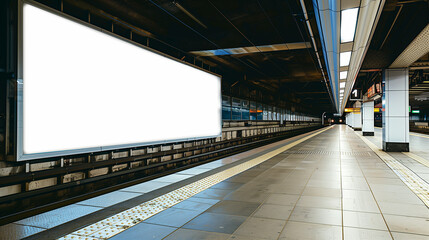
[253, 44]
[261, 48]
[399, 24]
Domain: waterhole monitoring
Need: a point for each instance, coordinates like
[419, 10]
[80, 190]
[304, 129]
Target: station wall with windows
[240, 109]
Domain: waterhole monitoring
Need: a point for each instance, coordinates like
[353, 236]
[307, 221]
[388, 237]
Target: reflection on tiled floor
[332, 186]
[160, 211]
[312, 191]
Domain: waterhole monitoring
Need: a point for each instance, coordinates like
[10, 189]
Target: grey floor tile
[282, 199]
[365, 234]
[145, 231]
[322, 192]
[319, 202]
[13, 231]
[310, 231]
[109, 199]
[410, 210]
[408, 236]
[243, 196]
[228, 185]
[397, 197]
[239, 179]
[173, 217]
[213, 193]
[281, 212]
[234, 208]
[189, 234]
[173, 178]
[364, 220]
[192, 205]
[261, 228]
[194, 171]
[203, 200]
[238, 237]
[407, 224]
[360, 205]
[146, 187]
[316, 215]
[58, 216]
[213, 222]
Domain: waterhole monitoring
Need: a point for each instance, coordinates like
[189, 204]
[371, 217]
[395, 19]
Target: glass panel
[226, 113]
[226, 101]
[260, 112]
[253, 113]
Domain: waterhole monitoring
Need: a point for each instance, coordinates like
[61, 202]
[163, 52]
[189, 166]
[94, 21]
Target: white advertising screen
[85, 90]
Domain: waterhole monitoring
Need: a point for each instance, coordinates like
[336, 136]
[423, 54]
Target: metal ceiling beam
[253, 49]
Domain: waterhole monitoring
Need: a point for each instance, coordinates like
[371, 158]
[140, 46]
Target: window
[253, 112]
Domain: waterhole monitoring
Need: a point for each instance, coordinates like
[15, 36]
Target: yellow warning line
[417, 158]
[115, 224]
[417, 135]
[412, 180]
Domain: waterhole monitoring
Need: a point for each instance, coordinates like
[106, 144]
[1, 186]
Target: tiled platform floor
[332, 186]
[329, 187]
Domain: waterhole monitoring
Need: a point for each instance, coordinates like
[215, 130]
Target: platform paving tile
[365, 234]
[310, 231]
[213, 222]
[319, 202]
[173, 217]
[261, 228]
[146, 187]
[189, 234]
[193, 205]
[311, 195]
[407, 224]
[364, 220]
[213, 193]
[234, 208]
[14, 231]
[408, 236]
[109, 199]
[280, 212]
[282, 199]
[145, 231]
[317, 215]
[58, 216]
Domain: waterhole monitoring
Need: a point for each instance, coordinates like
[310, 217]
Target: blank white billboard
[85, 90]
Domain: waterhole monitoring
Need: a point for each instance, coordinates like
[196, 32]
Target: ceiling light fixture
[348, 24]
[345, 58]
[343, 75]
[342, 84]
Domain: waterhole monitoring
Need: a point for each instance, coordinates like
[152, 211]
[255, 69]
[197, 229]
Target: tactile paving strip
[115, 224]
[412, 180]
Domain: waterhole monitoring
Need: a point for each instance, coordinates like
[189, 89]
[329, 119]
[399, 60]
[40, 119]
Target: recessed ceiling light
[348, 24]
[342, 84]
[345, 58]
[343, 75]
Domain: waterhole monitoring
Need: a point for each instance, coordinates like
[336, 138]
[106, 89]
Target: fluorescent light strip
[348, 24]
[343, 75]
[342, 84]
[345, 58]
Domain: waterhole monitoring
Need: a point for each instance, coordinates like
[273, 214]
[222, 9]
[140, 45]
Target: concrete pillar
[368, 118]
[396, 127]
[357, 117]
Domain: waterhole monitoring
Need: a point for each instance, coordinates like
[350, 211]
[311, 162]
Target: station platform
[331, 183]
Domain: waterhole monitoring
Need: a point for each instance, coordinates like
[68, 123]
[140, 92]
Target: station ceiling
[262, 43]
